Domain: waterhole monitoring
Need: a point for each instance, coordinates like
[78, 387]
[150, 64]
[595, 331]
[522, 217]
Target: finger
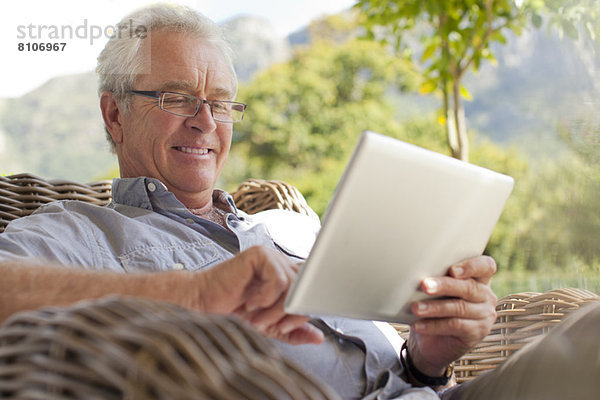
[244, 314]
[296, 267]
[293, 329]
[466, 289]
[468, 330]
[271, 316]
[305, 334]
[453, 308]
[480, 268]
[289, 323]
[264, 293]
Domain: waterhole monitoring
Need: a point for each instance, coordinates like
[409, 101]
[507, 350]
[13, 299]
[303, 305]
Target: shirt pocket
[189, 256]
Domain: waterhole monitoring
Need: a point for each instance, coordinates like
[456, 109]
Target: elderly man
[167, 100]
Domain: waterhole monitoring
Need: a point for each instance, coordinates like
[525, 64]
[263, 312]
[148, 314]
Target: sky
[84, 25]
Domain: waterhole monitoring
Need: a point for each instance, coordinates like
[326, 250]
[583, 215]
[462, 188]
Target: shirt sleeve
[50, 235]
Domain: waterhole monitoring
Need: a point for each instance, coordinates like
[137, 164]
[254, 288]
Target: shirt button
[151, 187]
[189, 221]
[178, 266]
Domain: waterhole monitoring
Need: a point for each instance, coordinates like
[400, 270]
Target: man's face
[186, 153]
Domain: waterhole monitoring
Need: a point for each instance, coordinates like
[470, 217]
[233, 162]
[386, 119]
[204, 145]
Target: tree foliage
[305, 116]
[456, 37]
[552, 221]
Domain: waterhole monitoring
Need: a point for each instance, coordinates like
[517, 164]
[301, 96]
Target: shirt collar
[152, 194]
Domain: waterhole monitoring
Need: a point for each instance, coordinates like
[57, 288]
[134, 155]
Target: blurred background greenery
[306, 116]
[346, 73]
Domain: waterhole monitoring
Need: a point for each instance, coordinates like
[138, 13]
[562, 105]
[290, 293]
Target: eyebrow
[177, 85]
[223, 93]
[186, 86]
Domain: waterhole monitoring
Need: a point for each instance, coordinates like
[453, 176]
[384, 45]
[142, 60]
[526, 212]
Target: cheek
[225, 137]
[154, 130]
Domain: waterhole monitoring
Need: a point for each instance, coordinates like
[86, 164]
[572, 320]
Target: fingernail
[431, 285]
[457, 271]
[419, 326]
[421, 307]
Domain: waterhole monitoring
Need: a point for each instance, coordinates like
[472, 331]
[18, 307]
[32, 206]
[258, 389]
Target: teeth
[192, 150]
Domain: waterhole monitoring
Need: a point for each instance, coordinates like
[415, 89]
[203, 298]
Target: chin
[198, 185]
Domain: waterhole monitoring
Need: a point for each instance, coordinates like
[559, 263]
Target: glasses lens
[226, 111]
[180, 104]
[186, 105]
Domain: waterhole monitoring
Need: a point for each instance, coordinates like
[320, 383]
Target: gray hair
[121, 60]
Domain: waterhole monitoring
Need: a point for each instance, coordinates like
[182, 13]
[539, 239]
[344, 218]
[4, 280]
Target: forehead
[186, 63]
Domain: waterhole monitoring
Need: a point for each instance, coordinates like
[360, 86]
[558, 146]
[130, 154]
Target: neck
[200, 202]
[202, 210]
[215, 214]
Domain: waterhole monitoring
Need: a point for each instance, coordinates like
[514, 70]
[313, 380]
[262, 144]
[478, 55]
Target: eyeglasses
[186, 105]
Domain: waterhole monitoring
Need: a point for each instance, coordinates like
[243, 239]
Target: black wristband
[421, 377]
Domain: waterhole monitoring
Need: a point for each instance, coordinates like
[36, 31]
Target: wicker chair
[129, 348]
[21, 195]
[521, 317]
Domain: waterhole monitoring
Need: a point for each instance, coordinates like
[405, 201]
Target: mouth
[193, 150]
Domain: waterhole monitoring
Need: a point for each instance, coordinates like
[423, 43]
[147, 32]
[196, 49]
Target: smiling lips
[192, 150]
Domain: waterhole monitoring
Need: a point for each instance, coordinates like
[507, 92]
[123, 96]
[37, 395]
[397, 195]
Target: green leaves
[568, 27]
[465, 93]
[427, 87]
[455, 37]
[432, 48]
[536, 20]
[304, 116]
[568, 18]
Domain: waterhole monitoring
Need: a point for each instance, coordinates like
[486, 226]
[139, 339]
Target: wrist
[428, 363]
[419, 378]
[192, 291]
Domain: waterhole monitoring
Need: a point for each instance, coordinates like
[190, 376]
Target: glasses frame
[159, 95]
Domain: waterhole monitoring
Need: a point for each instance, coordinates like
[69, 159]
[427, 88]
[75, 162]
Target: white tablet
[400, 214]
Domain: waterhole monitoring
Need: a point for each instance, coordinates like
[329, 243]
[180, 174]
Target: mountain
[540, 81]
[56, 130]
[256, 45]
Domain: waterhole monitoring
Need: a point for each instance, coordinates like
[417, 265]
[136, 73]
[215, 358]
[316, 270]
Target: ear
[112, 115]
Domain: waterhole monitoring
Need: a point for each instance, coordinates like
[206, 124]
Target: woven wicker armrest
[256, 195]
[522, 317]
[22, 194]
[127, 348]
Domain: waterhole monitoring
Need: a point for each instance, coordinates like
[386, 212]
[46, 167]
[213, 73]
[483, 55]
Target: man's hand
[254, 285]
[449, 327]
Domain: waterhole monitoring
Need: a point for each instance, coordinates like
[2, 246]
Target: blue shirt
[145, 229]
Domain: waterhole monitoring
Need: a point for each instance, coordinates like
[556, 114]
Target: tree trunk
[460, 125]
[450, 125]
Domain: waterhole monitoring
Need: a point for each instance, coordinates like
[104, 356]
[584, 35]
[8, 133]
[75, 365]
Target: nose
[203, 120]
